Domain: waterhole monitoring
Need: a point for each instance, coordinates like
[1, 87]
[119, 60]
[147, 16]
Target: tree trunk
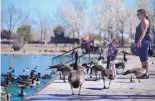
[44, 34]
[41, 37]
[9, 37]
[122, 38]
[153, 31]
[111, 35]
[100, 37]
[78, 36]
[73, 34]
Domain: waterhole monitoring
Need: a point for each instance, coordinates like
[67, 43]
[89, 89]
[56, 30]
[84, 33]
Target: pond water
[20, 62]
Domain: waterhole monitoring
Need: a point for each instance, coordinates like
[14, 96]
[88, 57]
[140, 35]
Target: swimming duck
[22, 93]
[46, 76]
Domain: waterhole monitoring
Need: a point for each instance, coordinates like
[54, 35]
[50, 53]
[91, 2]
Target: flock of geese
[23, 81]
[76, 72]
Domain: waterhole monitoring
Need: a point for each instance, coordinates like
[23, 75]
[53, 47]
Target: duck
[38, 78]
[76, 76]
[63, 68]
[26, 70]
[6, 83]
[107, 73]
[32, 74]
[33, 83]
[36, 67]
[87, 66]
[22, 93]
[121, 64]
[46, 76]
[12, 69]
[5, 96]
[137, 71]
[97, 67]
[80, 66]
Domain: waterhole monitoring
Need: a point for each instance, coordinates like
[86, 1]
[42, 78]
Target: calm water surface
[20, 62]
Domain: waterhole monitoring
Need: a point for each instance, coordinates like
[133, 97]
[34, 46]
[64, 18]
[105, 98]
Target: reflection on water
[21, 62]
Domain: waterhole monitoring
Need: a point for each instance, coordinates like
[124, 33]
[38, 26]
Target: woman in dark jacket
[142, 40]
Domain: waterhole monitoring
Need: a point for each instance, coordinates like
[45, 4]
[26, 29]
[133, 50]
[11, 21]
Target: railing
[74, 59]
[69, 51]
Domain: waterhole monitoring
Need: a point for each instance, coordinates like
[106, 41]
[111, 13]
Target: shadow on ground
[83, 97]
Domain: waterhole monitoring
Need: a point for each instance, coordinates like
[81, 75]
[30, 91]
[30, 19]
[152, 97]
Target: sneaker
[145, 76]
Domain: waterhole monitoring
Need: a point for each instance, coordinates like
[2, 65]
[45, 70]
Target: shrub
[16, 47]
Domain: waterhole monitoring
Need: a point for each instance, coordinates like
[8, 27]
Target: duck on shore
[64, 69]
[76, 76]
[107, 73]
[121, 64]
[138, 72]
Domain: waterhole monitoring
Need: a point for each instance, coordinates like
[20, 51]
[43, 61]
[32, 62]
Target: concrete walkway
[121, 89]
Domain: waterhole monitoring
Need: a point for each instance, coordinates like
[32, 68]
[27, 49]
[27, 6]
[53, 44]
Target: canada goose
[6, 83]
[46, 76]
[37, 78]
[76, 76]
[138, 72]
[36, 67]
[12, 69]
[121, 64]
[22, 93]
[64, 69]
[87, 66]
[97, 67]
[32, 74]
[79, 66]
[26, 70]
[33, 83]
[5, 96]
[107, 73]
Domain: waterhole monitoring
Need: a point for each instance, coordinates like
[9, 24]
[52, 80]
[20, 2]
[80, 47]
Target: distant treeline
[55, 40]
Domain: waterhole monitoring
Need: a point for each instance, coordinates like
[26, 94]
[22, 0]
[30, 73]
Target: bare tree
[76, 16]
[151, 14]
[58, 18]
[142, 4]
[43, 24]
[13, 17]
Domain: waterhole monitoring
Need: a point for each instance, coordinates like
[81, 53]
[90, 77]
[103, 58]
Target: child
[112, 52]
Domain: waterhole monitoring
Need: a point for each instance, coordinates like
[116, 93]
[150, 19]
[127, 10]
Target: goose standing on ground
[76, 76]
[64, 69]
[97, 67]
[121, 64]
[107, 73]
[138, 72]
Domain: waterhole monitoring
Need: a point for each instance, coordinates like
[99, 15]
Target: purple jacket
[112, 51]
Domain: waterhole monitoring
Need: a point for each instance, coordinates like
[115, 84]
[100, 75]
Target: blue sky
[49, 6]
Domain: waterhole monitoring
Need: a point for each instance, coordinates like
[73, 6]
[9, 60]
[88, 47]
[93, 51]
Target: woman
[142, 40]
